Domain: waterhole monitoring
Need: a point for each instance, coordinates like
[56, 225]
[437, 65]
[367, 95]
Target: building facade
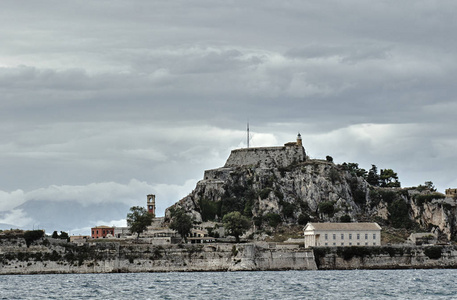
[342, 234]
[102, 232]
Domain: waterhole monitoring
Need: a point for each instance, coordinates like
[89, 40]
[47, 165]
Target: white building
[342, 234]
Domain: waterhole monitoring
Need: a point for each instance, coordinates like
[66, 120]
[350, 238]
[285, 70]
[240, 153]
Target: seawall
[386, 257]
[51, 256]
[113, 257]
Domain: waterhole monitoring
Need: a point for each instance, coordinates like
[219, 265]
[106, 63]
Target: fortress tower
[299, 142]
[151, 204]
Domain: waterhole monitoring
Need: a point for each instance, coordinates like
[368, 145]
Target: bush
[345, 219]
[334, 176]
[273, 219]
[433, 252]
[399, 215]
[358, 193]
[208, 209]
[423, 198]
[349, 252]
[33, 235]
[303, 219]
[327, 207]
[387, 196]
[288, 209]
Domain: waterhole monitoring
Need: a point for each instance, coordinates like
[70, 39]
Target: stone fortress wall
[451, 193]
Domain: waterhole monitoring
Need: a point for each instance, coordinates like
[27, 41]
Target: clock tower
[151, 204]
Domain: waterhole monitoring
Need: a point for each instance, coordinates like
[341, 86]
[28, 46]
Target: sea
[354, 284]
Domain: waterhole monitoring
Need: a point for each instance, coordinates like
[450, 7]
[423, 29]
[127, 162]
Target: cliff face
[279, 184]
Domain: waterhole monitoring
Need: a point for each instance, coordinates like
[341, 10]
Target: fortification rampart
[266, 157]
[451, 193]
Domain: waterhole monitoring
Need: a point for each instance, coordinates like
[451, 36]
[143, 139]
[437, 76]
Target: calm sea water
[356, 284]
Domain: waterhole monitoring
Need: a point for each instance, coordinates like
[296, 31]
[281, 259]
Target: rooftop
[343, 226]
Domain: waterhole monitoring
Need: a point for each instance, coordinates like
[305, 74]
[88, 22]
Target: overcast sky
[104, 102]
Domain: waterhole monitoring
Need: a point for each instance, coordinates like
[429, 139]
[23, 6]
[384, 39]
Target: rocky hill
[280, 185]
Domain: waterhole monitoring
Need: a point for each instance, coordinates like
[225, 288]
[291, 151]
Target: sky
[104, 102]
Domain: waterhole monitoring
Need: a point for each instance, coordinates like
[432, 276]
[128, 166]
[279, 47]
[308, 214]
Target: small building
[423, 238]
[79, 238]
[102, 232]
[342, 234]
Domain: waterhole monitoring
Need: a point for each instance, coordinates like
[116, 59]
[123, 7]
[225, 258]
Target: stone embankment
[52, 256]
[386, 257]
[108, 257]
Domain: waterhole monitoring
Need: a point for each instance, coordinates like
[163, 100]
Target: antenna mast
[248, 136]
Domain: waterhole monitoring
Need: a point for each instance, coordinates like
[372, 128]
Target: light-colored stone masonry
[266, 157]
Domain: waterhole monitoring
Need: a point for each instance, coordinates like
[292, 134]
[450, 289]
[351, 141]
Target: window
[366, 236]
[358, 236]
[366, 244]
[334, 236]
[326, 236]
[342, 236]
[350, 244]
[342, 244]
[374, 244]
[326, 244]
[334, 244]
[374, 236]
[358, 244]
[350, 236]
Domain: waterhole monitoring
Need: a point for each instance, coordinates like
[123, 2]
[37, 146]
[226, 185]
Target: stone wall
[266, 157]
[113, 257]
[385, 257]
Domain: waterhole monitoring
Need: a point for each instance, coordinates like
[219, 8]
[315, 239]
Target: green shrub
[433, 252]
[345, 219]
[258, 221]
[387, 196]
[358, 193]
[288, 209]
[334, 175]
[424, 198]
[273, 219]
[208, 209]
[32, 235]
[327, 207]
[399, 214]
[349, 252]
[303, 219]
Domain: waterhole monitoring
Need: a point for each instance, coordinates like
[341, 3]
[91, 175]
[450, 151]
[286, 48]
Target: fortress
[284, 156]
[262, 157]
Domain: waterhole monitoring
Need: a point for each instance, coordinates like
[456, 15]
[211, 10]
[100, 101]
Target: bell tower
[151, 204]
